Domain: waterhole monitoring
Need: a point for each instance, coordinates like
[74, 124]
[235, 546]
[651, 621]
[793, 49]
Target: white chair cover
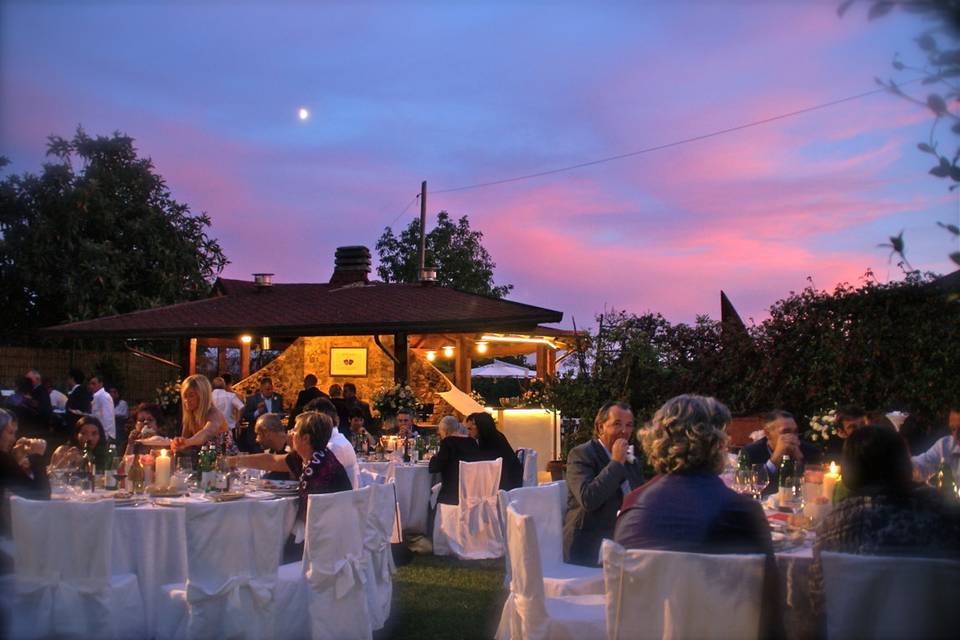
[528, 614]
[543, 504]
[63, 585]
[529, 461]
[667, 594]
[890, 597]
[471, 530]
[333, 562]
[233, 550]
[378, 558]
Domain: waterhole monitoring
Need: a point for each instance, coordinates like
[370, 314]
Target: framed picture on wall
[348, 361]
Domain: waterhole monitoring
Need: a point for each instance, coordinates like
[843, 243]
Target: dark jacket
[14, 480]
[250, 411]
[452, 450]
[693, 513]
[303, 398]
[759, 453]
[594, 496]
[79, 399]
[511, 473]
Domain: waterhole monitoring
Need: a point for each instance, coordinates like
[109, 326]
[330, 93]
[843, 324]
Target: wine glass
[759, 480]
[791, 493]
[743, 481]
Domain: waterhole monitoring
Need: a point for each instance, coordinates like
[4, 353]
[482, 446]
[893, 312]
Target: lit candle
[830, 480]
[162, 476]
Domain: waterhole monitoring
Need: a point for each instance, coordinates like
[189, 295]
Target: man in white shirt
[102, 407]
[946, 449]
[339, 444]
[227, 401]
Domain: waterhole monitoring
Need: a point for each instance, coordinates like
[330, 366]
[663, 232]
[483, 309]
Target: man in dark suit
[78, 399]
[454, 447]
[265, 401]
[599, 474]
[310, 392]
[355, 403]
[782, 439]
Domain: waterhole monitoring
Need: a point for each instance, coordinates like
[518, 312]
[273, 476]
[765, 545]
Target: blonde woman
[202, 421]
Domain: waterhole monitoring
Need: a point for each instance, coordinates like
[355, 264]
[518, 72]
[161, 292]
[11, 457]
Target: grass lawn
[442, 597]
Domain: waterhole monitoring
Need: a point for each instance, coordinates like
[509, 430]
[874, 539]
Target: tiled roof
[238, 306]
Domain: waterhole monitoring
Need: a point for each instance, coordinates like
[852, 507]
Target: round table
[413, 482]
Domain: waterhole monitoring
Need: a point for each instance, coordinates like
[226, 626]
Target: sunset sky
[464, 93]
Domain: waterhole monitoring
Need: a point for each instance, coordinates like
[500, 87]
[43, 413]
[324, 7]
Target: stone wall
[312, 355]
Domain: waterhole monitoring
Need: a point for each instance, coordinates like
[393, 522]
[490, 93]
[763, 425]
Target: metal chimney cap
[263, 279]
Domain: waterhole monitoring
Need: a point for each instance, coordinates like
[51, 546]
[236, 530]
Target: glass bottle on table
[110, 469]
[89, 468]
[136, 475]
[946, 483]
[406, 450]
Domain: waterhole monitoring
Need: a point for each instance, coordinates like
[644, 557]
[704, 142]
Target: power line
[400, 215]
[667, 145]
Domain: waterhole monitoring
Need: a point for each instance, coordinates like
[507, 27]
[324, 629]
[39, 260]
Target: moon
[302, 113]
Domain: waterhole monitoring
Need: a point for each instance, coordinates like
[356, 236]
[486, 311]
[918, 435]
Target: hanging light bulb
[245, 339]
[448, 351]
[431, 355]
[481, 347]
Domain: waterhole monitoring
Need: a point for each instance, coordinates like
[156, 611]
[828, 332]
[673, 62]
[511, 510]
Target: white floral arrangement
[389, 401]
[168, 396]
[478, 397]
[823, 428]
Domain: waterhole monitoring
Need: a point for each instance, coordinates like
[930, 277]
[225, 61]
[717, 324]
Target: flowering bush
[476, 395]
[389, 401]
[168, 396]
[823, 428]
[535, 395]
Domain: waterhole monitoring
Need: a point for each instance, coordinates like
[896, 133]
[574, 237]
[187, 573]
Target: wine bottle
[136, 475]
[110, 469]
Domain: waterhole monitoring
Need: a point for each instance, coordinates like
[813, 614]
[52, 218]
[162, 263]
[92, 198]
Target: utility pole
[423, 230]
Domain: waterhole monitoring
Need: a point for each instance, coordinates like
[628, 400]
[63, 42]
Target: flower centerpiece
[823, 428]
[168, 397]
[389, 400]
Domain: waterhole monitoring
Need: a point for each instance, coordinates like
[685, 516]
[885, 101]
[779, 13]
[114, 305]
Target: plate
[226, 496]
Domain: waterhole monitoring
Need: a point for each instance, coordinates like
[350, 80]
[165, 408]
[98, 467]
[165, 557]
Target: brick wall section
[312, 355]
[141, 377]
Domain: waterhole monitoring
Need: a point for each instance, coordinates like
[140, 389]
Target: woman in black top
[454, 447]
[493, 444]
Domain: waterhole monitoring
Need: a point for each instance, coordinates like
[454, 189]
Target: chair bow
[61, 601]
[345, 573]
[261, 591]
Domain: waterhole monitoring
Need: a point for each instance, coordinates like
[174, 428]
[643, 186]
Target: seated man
[885, 513]
[599, 475]
[273, 439]
[781, 439]
[945, 450]
[454, 447]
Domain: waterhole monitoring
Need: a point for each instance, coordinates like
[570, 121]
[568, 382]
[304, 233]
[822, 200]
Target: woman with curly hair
[686, 506]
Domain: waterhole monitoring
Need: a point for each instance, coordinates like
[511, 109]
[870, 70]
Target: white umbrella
[501, 369]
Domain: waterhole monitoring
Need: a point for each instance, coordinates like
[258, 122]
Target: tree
[453, 248]
[941, 71]
[105, 239]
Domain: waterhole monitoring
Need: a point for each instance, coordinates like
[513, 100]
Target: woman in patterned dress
[202, 421]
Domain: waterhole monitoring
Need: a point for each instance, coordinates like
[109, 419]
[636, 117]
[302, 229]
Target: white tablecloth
[413, 492]
[151, 542]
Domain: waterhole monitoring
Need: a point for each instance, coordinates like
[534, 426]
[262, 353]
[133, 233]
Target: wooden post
[421, 262]
[244, 359]
[542, 361]
[193, 356]
[551, 363]
[401, 366]
[221, 360]
[461, 372]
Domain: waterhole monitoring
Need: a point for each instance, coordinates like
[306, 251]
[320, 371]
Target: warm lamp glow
[265, 342]
[448, 351]
[520, 339]
[834, 468]
[246, 339]
[481, 347]
[431, 355]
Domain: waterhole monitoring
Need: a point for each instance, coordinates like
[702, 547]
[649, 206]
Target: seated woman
[22, 470]
[149, 417]
[320, 471]
[357, 430]
[493, 444]
[687, 507]
[202, 421]
[454, 447]
[885, 513]
[89, 434]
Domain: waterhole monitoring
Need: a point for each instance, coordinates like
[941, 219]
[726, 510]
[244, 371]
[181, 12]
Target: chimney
[263, 280]
[351, 265]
